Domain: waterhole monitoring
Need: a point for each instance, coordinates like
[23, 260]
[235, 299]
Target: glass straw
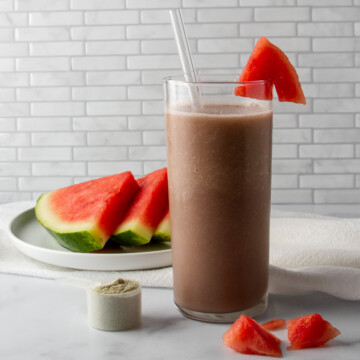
[184, 52]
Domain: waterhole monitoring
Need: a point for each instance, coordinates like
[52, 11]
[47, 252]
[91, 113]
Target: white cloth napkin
[307, 253]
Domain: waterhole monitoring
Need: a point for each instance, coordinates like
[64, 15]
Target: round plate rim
[26, 247]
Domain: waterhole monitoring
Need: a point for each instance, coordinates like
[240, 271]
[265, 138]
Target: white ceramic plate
[34, 241]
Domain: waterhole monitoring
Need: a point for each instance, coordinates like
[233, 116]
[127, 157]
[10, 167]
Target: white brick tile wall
[7, 124]
[326, 120]
[8, 184]
[81, 93]
[150, 166]
[44, 154]
[103, 168]
[337, 166]
[8, 154]
[99, 153]
[14, 49]
[70, 108]
[64, 18]
[239, 15]
[282, 14]
[56, 48]
[325, 151]
[41, 5]
[336, 44]
[284, 181]
[43, 64]
[59, 168]
[7, 94]
[42, 34]
[14, 138]
[43, 183]
[44, 124]
[114, 138]
[58, 138]
[326, 181]
[114, 47]
[100, 123]
[297, 196]
[99, 93]
[336, 14]
[15, 168]
[338, 196]
[113, 108]
[43, 94]
[96, 4]
[270, 29]
[98, 32]
[111, 17]
[325, 29]
[147, 153]
[98, 63]
[162, 16]
[324, 60]
[13, 19]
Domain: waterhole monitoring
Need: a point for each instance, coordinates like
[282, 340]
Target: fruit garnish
[268, 62]
[310, 331]
[247, 336]
[274, 324]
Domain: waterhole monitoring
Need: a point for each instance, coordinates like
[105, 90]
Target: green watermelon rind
[161, 237]
[81, 241]
[132, 233]
[76, 241]
[129, 238]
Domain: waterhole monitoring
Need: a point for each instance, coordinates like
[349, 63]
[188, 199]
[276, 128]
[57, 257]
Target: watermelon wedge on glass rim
[268, 62]
[82, 217]
[145, 212]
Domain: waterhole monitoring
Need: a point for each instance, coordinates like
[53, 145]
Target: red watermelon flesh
[310, 331]
[268, 62]
[83, 216]
[274, 324]
[248, 337]
[145, 212]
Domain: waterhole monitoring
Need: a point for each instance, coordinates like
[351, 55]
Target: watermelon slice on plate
[145, 212]
[268, 62]
[310, 331]
[274, 324]
[162, 232]
[248, 337]
[82, 217]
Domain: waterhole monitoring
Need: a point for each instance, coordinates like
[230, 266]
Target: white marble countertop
[41, 319]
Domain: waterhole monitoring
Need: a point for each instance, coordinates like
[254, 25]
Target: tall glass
[219, 171]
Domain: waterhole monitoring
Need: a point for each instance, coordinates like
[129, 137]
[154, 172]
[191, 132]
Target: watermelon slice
[162, 232]
[146, 211]
[268, 62]
[248, 337]
[310, 331]
[274, 324]
[82, 217]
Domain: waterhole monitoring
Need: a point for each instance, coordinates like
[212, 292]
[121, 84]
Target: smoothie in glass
[219, 171]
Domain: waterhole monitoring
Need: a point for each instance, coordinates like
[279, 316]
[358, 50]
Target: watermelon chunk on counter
[248, 337]
[162, 232]
[82, 217]
[146, 211]
[268, 62]
[309, 331]
[274, 324]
